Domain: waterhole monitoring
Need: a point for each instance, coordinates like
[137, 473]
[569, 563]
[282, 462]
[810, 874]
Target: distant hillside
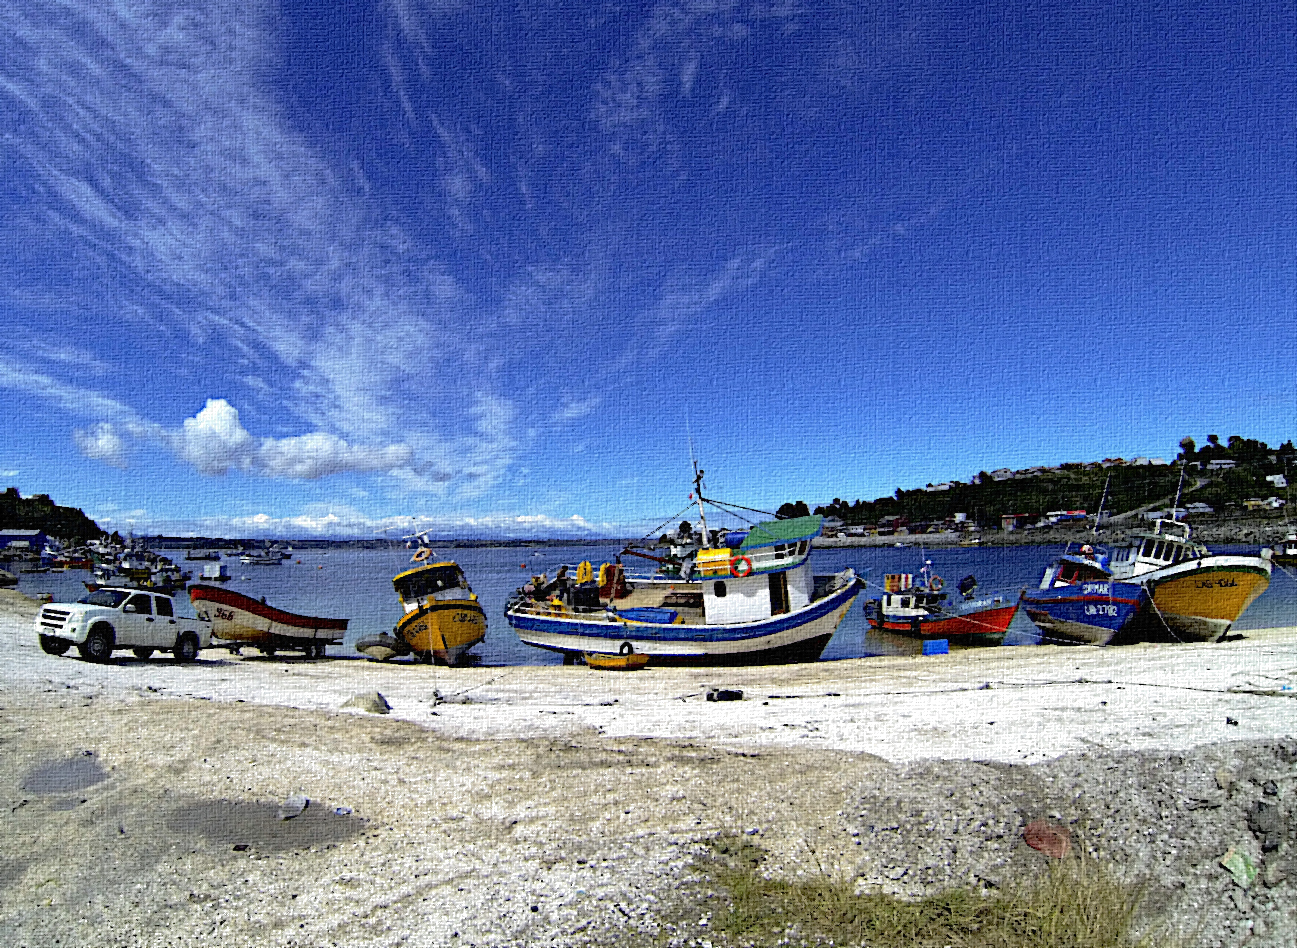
[41, 513]
[1080, 486]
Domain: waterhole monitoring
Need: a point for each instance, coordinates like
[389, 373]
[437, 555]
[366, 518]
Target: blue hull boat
[1078, 601]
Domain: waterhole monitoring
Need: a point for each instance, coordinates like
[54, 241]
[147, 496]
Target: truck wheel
[51, 645]
[142, 653]
[98, 646]
[186, 649]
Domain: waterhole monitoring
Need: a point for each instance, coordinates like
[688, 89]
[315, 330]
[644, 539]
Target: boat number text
[1101, 610]
[465, 617]
[225, 614]
[1095, 589]
[1209, 583]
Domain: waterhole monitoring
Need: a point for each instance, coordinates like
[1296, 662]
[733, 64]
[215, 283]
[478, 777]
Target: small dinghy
[631, 661]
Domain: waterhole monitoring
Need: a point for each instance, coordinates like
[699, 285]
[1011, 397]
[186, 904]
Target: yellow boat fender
[421, 554]
[584, 572]
[603, 575]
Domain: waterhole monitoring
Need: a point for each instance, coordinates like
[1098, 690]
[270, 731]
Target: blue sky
[294, 269]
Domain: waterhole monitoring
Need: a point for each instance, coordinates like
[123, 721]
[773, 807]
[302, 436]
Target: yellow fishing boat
[442, 619]
[1194, 594]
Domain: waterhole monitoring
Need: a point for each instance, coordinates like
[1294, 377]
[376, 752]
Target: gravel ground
[566, 807]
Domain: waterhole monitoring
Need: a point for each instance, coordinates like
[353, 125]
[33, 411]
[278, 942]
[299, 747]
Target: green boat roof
[771, 532]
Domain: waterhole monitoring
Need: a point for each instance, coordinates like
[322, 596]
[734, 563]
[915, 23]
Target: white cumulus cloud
[215, 442]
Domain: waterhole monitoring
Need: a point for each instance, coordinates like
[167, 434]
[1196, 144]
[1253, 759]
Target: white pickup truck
[111, 618]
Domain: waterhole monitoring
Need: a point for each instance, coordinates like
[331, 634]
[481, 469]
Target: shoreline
[527, 805]
[1260, 531]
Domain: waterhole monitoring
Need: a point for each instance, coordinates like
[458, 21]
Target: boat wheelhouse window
[1159, 551]
[802, 547]
[426, 582]
[143, 604]
[719, 589]
[111, 598]
[164, 606]
[781, 550]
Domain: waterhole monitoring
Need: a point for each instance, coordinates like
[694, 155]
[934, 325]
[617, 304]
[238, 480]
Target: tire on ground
[51, 645]
[98, 646]
[186, 649]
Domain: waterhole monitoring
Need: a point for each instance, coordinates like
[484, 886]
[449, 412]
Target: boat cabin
[1072, 568]
[438, 581]
[1168, 544]
[767, 574]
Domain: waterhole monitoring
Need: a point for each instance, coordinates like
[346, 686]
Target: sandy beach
[561, 805]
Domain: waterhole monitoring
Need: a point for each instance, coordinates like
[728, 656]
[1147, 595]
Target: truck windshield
[112, 598]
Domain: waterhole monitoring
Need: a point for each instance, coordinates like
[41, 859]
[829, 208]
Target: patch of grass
[1075, 903]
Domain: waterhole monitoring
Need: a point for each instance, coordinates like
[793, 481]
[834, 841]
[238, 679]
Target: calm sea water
[357, 585]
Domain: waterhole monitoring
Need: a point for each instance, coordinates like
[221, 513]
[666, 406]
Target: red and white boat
[924, 609]
[240, 620]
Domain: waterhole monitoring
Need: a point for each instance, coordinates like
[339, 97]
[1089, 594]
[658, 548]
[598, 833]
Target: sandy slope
[488, 791]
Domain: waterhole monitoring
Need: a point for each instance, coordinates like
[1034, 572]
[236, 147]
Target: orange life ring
[421, 554]
[736, 563]
[936, 584]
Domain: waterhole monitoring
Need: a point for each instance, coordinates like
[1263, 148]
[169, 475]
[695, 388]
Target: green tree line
[1080, 486]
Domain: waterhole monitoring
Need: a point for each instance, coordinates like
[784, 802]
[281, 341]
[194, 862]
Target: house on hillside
[1278, 480]
[1220, 464]
[1002, 474]
[26, 541]
[1011, 522]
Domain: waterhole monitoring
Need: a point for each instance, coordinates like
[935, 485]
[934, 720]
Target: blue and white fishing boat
[754, 601]
[1079, 601]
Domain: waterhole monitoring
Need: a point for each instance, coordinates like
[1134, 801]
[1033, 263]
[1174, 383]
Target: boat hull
[629, 662]
[242, 619]
[985, 625]
[443, 630]
[1087, 613]
[1200, 600]
[794, 637]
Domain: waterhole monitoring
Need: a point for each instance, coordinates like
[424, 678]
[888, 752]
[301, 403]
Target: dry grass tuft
[1075, 903]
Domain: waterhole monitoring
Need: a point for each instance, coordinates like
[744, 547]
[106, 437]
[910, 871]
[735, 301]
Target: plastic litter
[294, 806]
[1239, 866]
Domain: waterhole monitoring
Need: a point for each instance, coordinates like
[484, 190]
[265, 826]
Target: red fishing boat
[240, 620]
[924, 609]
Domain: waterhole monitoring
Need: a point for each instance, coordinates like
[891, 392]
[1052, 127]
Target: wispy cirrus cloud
[153, 145]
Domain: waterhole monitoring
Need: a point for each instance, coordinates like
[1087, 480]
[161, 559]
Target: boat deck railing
[552, 610]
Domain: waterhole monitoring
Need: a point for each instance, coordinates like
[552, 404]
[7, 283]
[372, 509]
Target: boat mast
[1098, 517]
[1175, 508]
[698, 493]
